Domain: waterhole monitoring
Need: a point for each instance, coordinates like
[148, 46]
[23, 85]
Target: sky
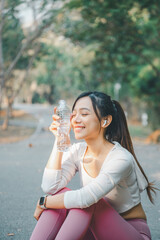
[25, 15]
[26, 12]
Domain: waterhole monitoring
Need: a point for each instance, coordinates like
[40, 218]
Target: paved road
[21, 169]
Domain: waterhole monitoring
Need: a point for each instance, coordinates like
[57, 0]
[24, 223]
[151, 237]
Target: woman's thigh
[108, 224]
[141, 226]
[76, 225]
[89, 235]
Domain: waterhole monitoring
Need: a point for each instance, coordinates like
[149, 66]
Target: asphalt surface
[21, 169]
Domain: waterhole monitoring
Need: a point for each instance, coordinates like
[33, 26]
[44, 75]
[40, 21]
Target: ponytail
[121, 134]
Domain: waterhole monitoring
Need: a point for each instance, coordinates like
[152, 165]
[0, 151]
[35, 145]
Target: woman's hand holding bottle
[55, 124]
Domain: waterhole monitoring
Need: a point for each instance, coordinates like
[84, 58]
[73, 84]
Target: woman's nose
[76, 119]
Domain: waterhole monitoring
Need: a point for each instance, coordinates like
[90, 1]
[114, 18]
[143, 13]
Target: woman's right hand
[55, 124]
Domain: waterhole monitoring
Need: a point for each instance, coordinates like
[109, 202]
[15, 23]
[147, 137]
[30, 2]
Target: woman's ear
[107, 121]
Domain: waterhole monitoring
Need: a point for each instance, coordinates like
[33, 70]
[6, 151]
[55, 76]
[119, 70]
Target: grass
[139, 131]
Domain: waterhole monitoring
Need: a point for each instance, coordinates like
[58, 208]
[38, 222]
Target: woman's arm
[55, 159]
[55, 201]
[55, 179]
[52, 202]
[111, 174]
[91, 193]
[55, 175]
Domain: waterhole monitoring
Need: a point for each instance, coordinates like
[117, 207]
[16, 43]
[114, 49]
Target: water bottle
[63, 138]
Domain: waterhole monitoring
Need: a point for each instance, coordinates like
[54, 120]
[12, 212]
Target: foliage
[12, 33]
[106, 42]
[126, 34]
[19, 47]
[65, 72]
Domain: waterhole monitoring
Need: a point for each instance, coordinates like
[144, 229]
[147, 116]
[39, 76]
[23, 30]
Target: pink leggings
[97, 222]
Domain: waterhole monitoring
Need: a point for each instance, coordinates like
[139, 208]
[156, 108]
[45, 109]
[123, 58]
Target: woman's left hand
[38, 211]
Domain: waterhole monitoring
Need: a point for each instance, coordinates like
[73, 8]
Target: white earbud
[105, 121]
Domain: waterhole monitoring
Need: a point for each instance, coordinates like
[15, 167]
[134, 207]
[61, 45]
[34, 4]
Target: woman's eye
[84, 114]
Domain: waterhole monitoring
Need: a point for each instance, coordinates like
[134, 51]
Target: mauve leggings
[97, 222]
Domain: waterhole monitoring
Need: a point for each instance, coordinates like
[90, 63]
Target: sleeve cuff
[70, 200]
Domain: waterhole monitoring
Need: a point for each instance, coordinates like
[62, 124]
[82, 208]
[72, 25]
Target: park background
[51, 50]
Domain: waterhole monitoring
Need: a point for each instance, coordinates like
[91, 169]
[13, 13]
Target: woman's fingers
[55, 117]
[55, 110]
[54, 125]
[38, 211]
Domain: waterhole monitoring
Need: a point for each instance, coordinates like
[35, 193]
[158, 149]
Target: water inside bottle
[63, 140]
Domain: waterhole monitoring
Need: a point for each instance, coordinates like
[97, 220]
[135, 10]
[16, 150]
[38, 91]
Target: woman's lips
[78, 128]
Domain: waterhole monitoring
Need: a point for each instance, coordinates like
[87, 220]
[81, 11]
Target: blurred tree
[18, 48]
[121, 37]
[1, 49]
[66, 72]
[126, 35]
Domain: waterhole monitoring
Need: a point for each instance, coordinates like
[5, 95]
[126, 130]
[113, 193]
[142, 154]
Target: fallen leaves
[10, 234]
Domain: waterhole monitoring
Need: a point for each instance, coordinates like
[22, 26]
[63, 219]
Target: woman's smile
[78, 128]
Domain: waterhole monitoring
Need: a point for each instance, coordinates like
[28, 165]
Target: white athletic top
[120, 180]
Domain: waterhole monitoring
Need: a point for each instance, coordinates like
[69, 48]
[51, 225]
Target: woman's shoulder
[121, 152]
[119, 156]
[119, 160]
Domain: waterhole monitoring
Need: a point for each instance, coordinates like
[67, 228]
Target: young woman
[108, 205]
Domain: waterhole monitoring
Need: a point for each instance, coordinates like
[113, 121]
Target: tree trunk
[10, 100]
[1, 52]
[6, 118]
[8, 114]
[10, 109]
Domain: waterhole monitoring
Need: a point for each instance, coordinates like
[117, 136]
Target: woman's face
[84, 121]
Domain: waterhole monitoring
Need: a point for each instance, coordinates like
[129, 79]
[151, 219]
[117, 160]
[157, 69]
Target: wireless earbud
[105, 122]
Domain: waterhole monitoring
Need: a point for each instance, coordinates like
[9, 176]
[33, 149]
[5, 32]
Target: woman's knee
[49, 215]
[49, 224]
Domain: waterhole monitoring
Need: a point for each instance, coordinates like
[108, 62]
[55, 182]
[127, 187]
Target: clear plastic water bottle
[63, 138]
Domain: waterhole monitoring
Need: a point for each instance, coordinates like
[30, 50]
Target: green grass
[139, 131]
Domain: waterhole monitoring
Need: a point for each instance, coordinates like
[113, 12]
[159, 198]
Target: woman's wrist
[55, 201]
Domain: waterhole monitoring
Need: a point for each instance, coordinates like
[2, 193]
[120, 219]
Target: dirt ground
[16, 132]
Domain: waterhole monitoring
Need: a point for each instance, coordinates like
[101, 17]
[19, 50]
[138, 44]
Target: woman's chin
[78, 137]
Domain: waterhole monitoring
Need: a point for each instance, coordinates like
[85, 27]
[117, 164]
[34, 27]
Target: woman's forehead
[84, 102]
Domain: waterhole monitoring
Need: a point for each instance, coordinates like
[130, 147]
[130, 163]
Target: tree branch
[27, 72]
[36, 34]
[149, 61]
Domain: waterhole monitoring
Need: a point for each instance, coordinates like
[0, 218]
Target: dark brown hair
[118, 129]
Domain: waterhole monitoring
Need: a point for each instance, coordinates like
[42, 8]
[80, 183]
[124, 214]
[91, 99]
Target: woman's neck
[98, 146]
